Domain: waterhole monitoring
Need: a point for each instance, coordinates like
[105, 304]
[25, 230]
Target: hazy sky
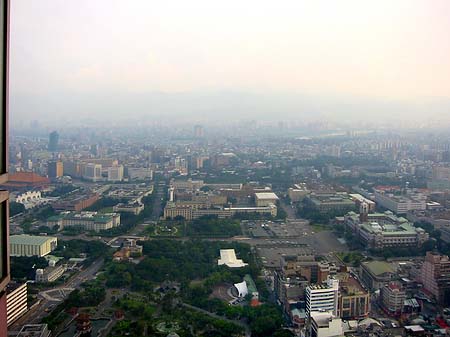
[90, 53]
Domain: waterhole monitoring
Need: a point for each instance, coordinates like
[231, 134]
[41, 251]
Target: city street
[45, 305]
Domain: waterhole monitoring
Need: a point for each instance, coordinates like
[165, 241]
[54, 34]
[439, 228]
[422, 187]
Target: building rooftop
[250, 284]
[266, 196]
[378, 267]
[30, 239]
[228, 258]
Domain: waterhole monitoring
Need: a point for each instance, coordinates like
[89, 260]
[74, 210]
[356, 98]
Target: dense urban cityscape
[224, 168]
[329, 233]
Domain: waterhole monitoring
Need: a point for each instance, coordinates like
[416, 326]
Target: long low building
[91, 221]
[31, 245]
[401, 204]
[173, 210]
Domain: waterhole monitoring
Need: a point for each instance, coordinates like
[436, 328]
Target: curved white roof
[241, 288]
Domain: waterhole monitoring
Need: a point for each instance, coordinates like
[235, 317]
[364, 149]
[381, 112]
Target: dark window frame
[4, 243]
[4, 109]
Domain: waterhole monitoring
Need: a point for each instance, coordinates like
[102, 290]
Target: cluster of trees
[91, 295]
[190, 323]
[176, 261]
[353, 258]
[212, 226]
[24, 267]
[74, 248]
[16, 208]
[185, 262]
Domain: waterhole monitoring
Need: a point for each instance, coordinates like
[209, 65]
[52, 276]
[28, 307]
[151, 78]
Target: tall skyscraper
[53, 139]
[55, 169]
[4, 226]
[198, 131]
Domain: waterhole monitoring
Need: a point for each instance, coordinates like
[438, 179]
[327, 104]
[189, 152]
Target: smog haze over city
[225, 168]
[381, 61]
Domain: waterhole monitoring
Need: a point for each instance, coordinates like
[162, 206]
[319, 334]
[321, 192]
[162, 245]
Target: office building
[76, 202]
[382, 230]
[401, 204]
[375, 274]
[338, 202]
[4, 141]
[32, 245]
[93, 172]
[298, 192]
[354, 299]
[393, 297]
[188, 212]
[53, 140]
[73, 169]
[55, 169]
[135, 208]
[198, 131]
[90, 221]
[266, 199]
[359, 200]
[322, 297]
[115, 173]
[325, 324]
[435, 277]
[140, 173]
[16, 301]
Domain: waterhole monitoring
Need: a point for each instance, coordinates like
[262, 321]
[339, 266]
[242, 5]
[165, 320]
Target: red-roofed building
[26, 181]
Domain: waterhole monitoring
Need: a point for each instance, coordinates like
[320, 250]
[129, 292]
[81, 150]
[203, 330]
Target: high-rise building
[322, 297]
[435, 276]
[198, 131]
[4, 226]
[53, 139]
[16, 302]
[93, 172]
[115, 173]
[55, 169]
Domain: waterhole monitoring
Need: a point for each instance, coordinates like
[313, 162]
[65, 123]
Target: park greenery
[193, 264]
[93, 250]
[16, 208]
[306, 211]
[351, 258]
[24, 267]
[211, 226]
[175, 261]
